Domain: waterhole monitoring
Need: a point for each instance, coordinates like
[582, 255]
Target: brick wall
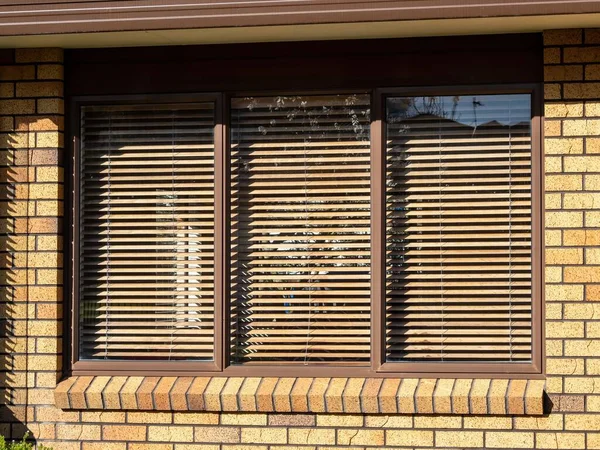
[31, 121]
[31, 207]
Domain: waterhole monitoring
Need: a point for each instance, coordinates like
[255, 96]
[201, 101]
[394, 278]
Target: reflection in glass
[300, 229]
[458, 241]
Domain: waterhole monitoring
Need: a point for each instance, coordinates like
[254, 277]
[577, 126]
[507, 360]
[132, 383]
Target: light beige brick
[564, 330]
[563, 183]
[262, 435]
[313, 436]
[409, 438]
[564, 366]
[464, 439]
[488, 422]
[171, 433]
[564, 219]
[560, 440]
[564, 292]
[508, 439]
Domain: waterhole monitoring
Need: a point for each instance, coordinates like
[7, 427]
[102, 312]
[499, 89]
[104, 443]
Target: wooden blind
[300, 235]
[459, 228]
[146, 232]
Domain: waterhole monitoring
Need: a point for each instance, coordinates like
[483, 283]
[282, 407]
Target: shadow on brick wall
[19, 374]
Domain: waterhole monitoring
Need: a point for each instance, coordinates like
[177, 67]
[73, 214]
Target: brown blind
[146, 232]
[459, 228]
[300, 229]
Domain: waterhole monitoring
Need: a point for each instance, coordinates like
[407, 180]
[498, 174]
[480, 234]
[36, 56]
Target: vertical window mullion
[377, 231]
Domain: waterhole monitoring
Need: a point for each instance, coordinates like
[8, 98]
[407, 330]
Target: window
[396, 231]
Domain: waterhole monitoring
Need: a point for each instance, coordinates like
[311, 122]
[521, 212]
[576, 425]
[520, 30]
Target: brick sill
[303, 395]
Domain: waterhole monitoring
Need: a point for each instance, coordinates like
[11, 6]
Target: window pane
[146, 232]
[459, 228]
[300, 229]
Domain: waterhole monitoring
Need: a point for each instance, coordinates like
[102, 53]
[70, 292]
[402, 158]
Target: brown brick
[17, 73]
[563, 37]
[36, 89]
[552, 55]
[563, 73]
[38, 55]
[50, 72]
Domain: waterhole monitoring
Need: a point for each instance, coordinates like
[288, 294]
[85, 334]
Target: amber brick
[195, 394]
[281, 396]
[360, 437]
[162, 401]
[124, 432]
[264, 394]
[333, 395]
[369, 395]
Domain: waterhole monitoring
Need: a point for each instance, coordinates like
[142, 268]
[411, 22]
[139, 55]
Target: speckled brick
[281, 396]
[212, 393]
[145, 400]
[127, 393]
[316, 395]
[195, 394]
[300, 394]
[406, 396]
[178, 393]
[388, 396]
[162, 401]
[247, 397]
[229, 394]
[264, 394]
[369, 399]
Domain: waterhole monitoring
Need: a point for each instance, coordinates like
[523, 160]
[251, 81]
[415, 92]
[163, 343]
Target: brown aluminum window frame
[378, 368]
[536, 365]
[147, 367]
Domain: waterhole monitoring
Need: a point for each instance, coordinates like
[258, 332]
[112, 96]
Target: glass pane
[300, 229]
[458, 242]
[146, 232]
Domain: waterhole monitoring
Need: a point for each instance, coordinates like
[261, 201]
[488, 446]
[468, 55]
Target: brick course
[31, 308]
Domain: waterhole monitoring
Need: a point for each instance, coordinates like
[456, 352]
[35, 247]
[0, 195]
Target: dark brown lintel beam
[67, 16]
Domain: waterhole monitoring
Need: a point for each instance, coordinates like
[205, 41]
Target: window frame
[377, 367]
